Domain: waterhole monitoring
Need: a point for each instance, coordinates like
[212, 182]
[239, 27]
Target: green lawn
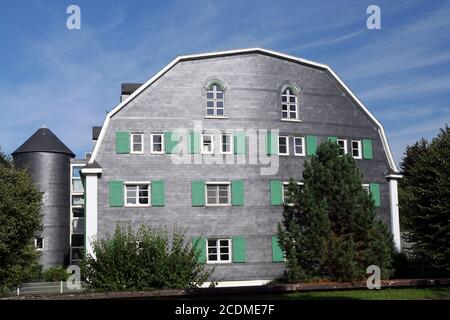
[383, 294]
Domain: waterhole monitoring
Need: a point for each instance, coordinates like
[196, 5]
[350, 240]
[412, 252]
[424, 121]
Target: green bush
[146, 259]
[55, 274]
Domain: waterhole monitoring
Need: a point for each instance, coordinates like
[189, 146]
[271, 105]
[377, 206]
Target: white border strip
[240, 51]
[242, 283]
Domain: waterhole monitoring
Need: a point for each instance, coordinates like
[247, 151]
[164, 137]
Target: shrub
[146, 259]
[55, 274]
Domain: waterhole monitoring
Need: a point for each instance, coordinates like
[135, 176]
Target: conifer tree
[330, 229]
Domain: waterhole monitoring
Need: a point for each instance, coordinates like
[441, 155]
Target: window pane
[212, 257]
[76, 172]
[292, 115]
[223, 242]
[212, 243]
[291, 99]
[77, 186]
[284, 107]
[292, 107]
[157, 138]
[209, 95]
[209, 111]
[219, 104]
[77, 200]
[137, 138]
[210, 104]
[224, 257]
[284, 114]
[77, 212]
[78, 240]
[219, 95]
[283, 98]
[157, 147]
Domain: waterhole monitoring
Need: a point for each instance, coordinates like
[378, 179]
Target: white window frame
[231, 143]
[215, 100]
[132, 135]
[302, 139]
[287, 146]
[283, 189]
[151, 143]
[136, 183]
[345, 145]
[215, 183]
[218, 261]
[212, 143]
[293, 93]
[359, 156]
[43, 244]
[367, 187]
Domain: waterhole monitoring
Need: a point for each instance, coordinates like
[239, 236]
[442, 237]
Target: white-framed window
[218, 194]
[342, 143]
[207, 143]
[39, 243]
[289, 105]
[218, 250]
[299, 146]
[78, 200]
[137, 194]
[366, 187]
[157, 143]
[215, 100]
[283, 146]
[137, 142]
[226, 143]
[286, 194]
[356, 149]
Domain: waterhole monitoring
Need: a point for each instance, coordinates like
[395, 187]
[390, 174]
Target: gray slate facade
[253, 81]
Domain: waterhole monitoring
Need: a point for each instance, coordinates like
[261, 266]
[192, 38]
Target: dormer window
[289, 103]
[215, 100]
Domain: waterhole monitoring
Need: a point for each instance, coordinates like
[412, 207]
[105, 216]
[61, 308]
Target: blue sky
[68, 79]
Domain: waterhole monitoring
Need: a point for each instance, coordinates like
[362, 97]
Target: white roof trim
[241, 51]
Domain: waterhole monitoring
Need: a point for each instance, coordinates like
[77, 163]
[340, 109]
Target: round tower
[47, 160]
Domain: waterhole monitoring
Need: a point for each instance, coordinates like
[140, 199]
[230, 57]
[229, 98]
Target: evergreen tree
[20, 220]
[330, 229]
[425, 204]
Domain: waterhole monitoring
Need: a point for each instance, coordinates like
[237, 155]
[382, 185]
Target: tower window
[215, 100]
[289, 103]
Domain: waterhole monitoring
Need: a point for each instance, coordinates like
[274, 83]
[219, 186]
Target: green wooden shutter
[158, 193]
[198, 193]
[367, 149]
[199, 245]
[272, 143]
[237, 193]
[276, 193]
[239, 142]
[277, 252]
[332, 139]
[239, 246]
[375, 191]
[170, 143]
[193, 142]
[122, 142]
[116, 193]
[311, 145]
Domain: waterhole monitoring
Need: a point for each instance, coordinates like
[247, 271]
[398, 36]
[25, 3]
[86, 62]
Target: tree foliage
[425, 204]
[20, 221]
[146, 259]
[330, 229]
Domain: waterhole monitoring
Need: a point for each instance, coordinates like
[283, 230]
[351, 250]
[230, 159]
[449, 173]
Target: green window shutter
[194, 142]
[122, 142]
[239, 142]
[276, 193]
[198, 193]
[332, 139]
[272, 143]
[170, 143]
[367, 149]
[199, 245]
[158, 193]
[237, 193]
[311, 145]
[277, 252]
[116, 193]
[375, 192]
[239, 246]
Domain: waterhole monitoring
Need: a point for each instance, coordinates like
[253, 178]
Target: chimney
[127, 89]
[95, 133]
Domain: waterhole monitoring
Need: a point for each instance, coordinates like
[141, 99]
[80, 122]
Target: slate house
[134, 175]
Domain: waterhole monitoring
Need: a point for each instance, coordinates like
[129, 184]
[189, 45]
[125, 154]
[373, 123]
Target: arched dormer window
[215, 99]
[289, 102]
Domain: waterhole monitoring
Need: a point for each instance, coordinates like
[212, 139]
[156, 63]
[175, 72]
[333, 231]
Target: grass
[383, 294]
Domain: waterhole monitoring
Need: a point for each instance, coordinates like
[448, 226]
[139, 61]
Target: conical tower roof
[44, 140]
